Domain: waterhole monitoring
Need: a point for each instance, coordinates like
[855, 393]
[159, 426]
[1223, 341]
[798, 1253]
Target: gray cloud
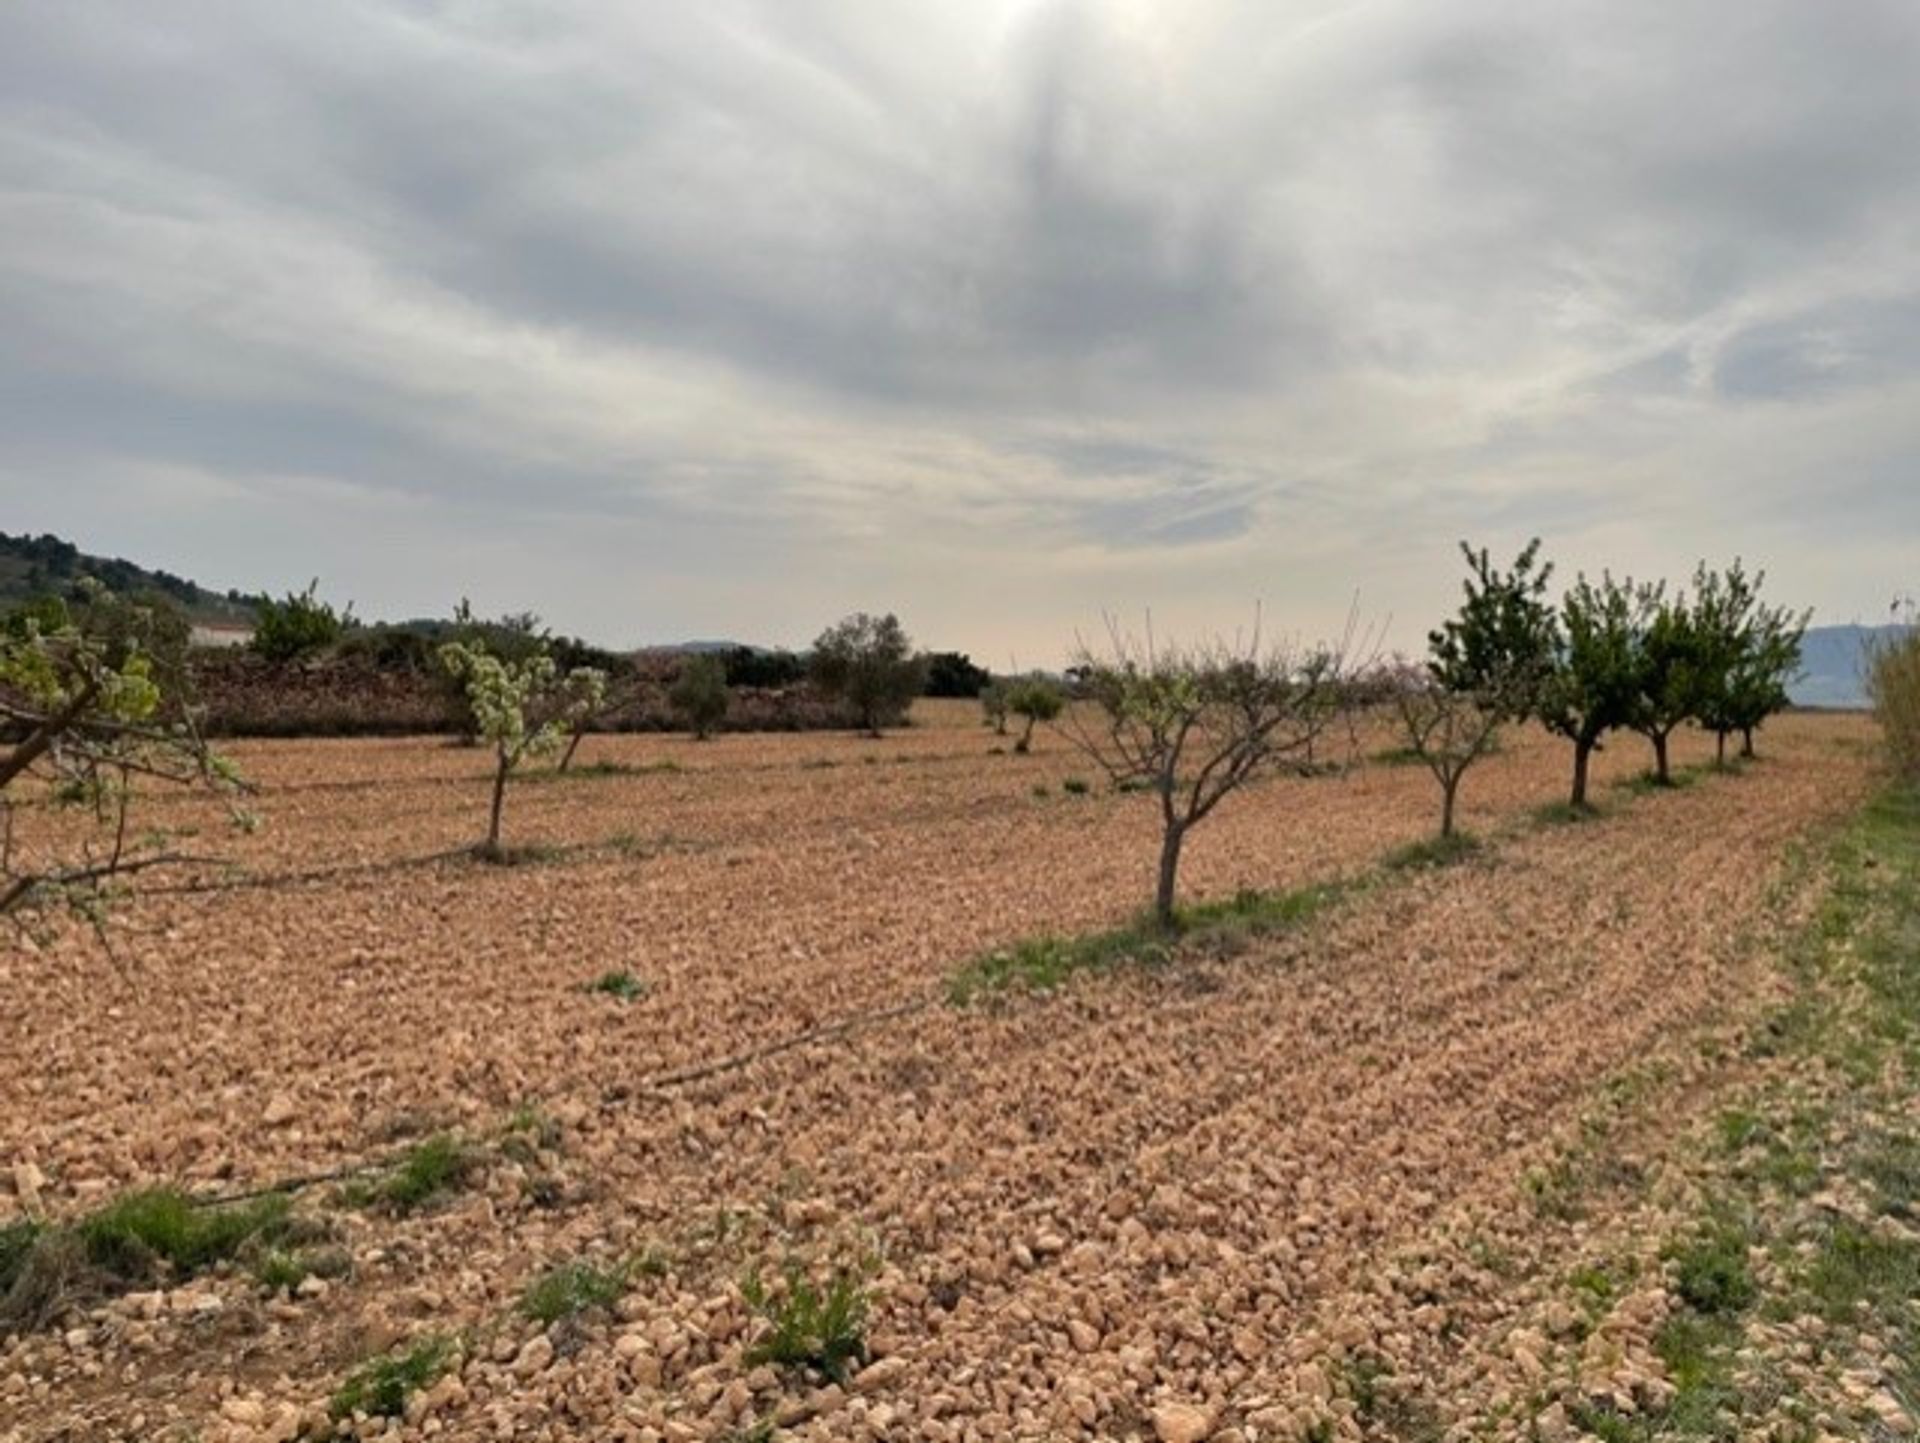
[1122, 303]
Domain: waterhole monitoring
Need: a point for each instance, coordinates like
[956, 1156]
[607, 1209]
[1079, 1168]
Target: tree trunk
[499, 802]
[1447, 790]
[1025, 744]
[1746, 741]
[1582, 750]
[1170, 841]
[1660, 772]
[573, 745]
[1720, 749]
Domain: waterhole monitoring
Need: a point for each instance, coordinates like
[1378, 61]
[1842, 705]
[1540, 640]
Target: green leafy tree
[868, 663]
[1757, 687]
[1486, 665]
[1674, 659]
[699, 694]
[1501, 647]
[522, 707]
[299, 626]
[94, 700]
[1034, 699]
[1594, 686]
[1724, 616]
[1195, 724]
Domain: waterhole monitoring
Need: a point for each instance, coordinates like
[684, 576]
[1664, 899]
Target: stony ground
[1320, 1184]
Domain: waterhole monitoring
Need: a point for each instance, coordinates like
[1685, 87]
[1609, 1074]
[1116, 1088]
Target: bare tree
[1448, 730]
[1194, 724]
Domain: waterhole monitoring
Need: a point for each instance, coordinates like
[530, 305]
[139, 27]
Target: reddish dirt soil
[1172, 1202]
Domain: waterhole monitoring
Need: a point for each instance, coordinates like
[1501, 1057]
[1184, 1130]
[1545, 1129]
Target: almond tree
[523, 706]
[93, 697]
[1195, 724]
[1448, 730]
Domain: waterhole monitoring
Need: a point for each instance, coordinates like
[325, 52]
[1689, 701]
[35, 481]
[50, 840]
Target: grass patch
[621, 984]
[1398, 757]
[1642, 784]
[809, 1326]
[380, 1388]
[133, 1237]
[574, 1288]
[1565, 814]
[1041, 964]
[1076, 786]
[155, 1235]
[1711, 1273]
[429, 1169]
[591, 771]
[1431, 852]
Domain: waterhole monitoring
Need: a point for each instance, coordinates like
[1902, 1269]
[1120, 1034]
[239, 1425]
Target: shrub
[1893, 683]
[298, 626]
[868, 663]
[699, 694]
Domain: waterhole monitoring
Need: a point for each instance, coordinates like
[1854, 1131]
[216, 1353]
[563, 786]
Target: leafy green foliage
[1501, 645]
[810, 1325]
[1594, 687]
[699, 694]
[868, 663]
[298, 626]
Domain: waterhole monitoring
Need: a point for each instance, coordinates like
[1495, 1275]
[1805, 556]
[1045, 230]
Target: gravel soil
[1290, 1190]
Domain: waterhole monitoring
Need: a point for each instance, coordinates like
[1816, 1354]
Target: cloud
[1113, 303]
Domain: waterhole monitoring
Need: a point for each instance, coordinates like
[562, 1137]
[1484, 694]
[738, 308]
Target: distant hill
[35, 565]
[1831, 665]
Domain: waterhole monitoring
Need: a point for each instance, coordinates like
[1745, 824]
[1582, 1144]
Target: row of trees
[1610, 656]
[1190, 724]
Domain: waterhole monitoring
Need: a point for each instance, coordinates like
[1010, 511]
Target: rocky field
[675, 1130]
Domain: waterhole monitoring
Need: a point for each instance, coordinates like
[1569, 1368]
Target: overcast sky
[676, 320]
